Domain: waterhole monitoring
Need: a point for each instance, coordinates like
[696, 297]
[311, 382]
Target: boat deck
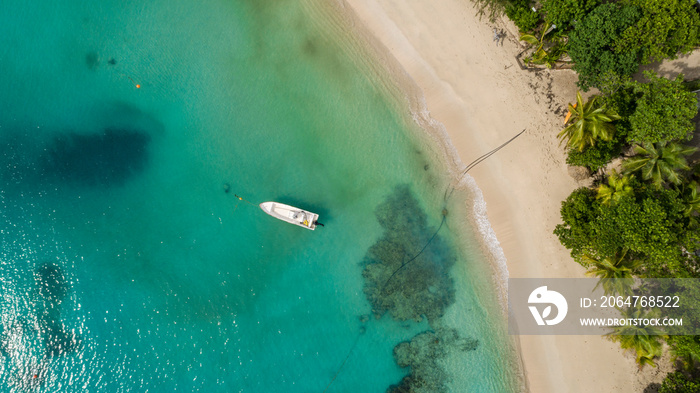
[290, 214]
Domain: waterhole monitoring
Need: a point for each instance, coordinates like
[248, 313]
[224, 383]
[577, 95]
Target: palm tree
[660, 162]
[614, 273]
[644, 340]
[589, 122]
[689, 355]
[691, 198]
[618, 186]
[549, 56]
[695, 172]
[539, 55]
[691, 201]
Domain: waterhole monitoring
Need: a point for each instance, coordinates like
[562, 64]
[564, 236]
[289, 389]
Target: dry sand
[443, 51]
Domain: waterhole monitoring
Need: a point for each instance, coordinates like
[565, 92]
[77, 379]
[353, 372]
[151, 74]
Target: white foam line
[395, 81]
[434, 128]
[490, 240]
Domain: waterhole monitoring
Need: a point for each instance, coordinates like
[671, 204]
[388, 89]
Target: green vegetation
[665, 28]
[546, 51]
[686, 349]
[645, 221]
[664, 111]
[648, 227]
[595, 157]
[590, 122]
[520, 12]
[660, 163]
[563, 13]
[615, 273]
[644, 341]
[593, 44]
[677, 382]
[691, 199]
[651, 225]
[618, 187]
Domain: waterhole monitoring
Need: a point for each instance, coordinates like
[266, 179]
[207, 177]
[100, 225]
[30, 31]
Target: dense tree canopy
[563, 13]
[651, 225]
[646, 224]
[520, 12]
[677, 382]
[664, 111]
[595, 157]
[593, 44]
[665, 28]
[578, 213]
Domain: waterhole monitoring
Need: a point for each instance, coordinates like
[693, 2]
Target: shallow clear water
[127, 267]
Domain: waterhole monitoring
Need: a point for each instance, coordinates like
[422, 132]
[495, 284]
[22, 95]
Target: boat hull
[290, 214]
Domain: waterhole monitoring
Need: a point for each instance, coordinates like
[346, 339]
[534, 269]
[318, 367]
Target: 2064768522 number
[642, 301]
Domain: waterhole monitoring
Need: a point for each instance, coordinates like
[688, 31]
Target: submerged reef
[423, 355]
[398, 282]
[110, 147]
[52, 289]
[107, 158]
[30, 339]
[92, 60]
[406, 274]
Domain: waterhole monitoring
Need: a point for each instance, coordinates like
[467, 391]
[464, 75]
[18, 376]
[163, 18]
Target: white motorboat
[290, 214]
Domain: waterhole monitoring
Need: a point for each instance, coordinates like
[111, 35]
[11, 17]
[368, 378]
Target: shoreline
[458, 83]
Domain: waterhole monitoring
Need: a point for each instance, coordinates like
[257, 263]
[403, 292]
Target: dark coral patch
[51, 282]
[423, 355]
[53, 288]
[108, 158]
[92, 60]
[398, 282]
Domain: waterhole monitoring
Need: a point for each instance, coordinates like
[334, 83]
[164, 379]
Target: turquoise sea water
[126, 266]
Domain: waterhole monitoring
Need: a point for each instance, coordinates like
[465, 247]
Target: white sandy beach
[476, 89]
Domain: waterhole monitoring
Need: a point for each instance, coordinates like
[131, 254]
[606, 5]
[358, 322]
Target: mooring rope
[244, 200]
[357, 339]
[444, 218]
[477, 162]
[362, 330]
[446, 197]
[442, 223]
[227, 188]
